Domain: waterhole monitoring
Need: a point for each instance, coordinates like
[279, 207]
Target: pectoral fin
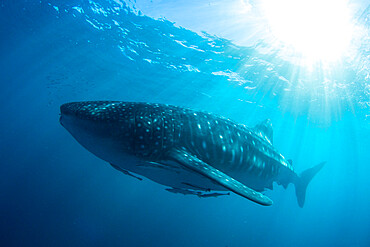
[125, 171]
[219, 177]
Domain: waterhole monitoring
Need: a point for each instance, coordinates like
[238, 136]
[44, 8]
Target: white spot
[241, 158]
[199, 127]
[204, 144]
[223, 148]
[233, 155]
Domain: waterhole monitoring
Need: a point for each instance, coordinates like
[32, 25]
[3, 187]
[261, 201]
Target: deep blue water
[53, 192]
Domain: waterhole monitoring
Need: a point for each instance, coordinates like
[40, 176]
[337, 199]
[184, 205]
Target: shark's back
[227, 146]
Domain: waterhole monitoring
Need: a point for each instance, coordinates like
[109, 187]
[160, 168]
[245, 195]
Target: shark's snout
[105, 111]
[99, 126]
[70, 112]
[96, 117]
[78, 109]
[75, 114]
[65, 109]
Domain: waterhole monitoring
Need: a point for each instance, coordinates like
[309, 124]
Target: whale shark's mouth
[61, 120]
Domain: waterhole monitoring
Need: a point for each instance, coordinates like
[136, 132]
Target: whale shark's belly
[168, 173]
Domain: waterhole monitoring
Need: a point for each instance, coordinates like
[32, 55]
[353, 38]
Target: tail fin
[303, 180]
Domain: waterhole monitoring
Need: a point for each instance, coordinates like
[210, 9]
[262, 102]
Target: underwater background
[53, 192]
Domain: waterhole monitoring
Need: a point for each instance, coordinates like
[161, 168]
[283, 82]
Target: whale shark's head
[102, 127]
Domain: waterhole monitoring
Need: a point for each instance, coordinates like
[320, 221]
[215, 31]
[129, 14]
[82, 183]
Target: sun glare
[316, 29]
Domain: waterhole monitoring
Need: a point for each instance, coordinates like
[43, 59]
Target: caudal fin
[303, 180]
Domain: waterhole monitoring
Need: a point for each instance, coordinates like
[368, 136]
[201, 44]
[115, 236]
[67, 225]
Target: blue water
[53, 192]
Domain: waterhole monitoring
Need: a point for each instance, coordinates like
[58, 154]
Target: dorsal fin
[264, 129]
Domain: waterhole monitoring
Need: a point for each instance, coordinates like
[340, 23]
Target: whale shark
[188, 151]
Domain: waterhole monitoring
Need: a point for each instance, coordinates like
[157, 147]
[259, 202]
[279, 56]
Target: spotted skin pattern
[151, 131]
